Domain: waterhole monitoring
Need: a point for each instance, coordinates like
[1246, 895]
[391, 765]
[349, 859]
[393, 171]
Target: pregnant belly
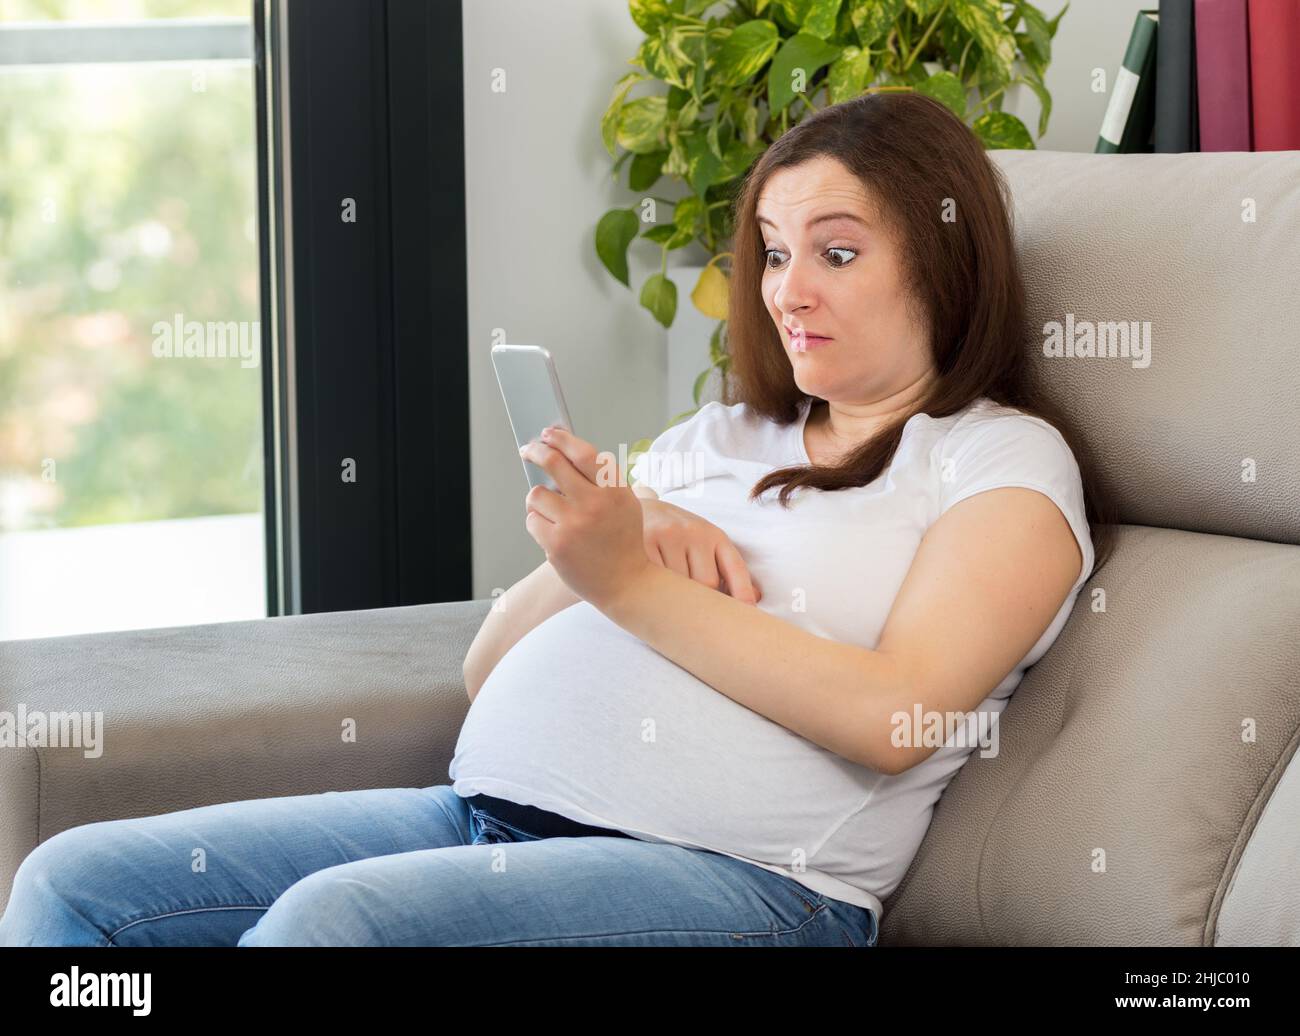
[586, 720]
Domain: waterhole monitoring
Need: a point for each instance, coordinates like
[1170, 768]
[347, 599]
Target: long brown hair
[912, 154]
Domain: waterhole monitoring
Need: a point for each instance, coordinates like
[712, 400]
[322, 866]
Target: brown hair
[911, 154]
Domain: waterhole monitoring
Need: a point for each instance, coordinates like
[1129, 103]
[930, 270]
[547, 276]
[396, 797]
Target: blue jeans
[398, 867]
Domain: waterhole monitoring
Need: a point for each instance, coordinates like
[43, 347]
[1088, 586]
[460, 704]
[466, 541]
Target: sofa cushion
[1134, 760]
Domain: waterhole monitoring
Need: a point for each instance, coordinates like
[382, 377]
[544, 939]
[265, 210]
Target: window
[233, 355]
[131, 440]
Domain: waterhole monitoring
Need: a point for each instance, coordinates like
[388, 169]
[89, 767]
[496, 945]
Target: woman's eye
[849, 252]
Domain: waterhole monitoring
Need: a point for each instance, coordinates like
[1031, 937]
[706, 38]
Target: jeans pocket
[811, 900]
[803, 904]
[857, 923]
[488, 830]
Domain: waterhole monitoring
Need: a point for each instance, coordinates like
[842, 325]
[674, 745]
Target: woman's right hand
[684, 542]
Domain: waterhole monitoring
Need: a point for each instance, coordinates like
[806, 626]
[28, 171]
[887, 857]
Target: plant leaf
[1052, 25]
[800, 52]
[686, 116]
[849, 74]
[712, 293]
[872, 19]
[695, 49]
[923, 8]
[746, 50]
[686, 219]
[614, 233]
[641, 124]
[661, 233]
[1037, 31]
[992, 71]
[1030, 56]
[649, 14]
[646, 170]
[737, 160]
[659, 296]
[702, 164]
[820, 18]
[609, 121]
[716, 351]
[715, 127]
[657, 57]
[945, 88]
[700, 381]
[982, 19]
[676, 164]
[1002, 130]
[1044, 101]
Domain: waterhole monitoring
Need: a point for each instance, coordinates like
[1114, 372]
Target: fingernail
[546, 434]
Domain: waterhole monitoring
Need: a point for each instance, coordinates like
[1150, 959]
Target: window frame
[400, 534]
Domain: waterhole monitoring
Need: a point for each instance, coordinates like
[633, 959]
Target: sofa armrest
[189, 716]
[1262, 904]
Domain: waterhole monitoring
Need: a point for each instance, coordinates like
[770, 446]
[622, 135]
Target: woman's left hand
[590, 530]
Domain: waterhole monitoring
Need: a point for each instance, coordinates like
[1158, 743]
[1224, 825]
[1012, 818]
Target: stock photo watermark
[681, 469]
[77, 988]
[930, 729]
[215, 339]
[38, 729]
[1109, 339]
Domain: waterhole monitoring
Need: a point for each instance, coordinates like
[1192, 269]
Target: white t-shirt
[586, 720]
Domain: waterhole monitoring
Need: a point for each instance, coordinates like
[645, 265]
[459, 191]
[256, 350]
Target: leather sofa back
[1138, 759]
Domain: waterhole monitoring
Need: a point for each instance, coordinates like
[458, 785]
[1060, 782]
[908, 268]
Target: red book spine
[1275, 74]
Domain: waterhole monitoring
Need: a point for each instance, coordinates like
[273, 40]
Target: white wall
[538, 179]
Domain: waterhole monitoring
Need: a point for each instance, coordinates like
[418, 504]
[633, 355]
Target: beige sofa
[1146, 791]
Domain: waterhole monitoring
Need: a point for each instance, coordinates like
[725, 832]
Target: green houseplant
[739, 73]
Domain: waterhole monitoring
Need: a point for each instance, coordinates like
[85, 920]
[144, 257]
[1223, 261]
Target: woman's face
[840, 278]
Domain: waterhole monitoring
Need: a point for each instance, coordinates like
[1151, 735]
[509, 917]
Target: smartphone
[530, 387]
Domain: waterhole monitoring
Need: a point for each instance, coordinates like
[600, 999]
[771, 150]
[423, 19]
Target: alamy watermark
[75, 988]
[1105, 339]
[931, 729]
[37, 729]
[215, 339]
[680, 469]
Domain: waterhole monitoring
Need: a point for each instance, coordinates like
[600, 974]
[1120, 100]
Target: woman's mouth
[801, 341]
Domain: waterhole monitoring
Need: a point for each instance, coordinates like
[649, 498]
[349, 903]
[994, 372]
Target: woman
[648, 760]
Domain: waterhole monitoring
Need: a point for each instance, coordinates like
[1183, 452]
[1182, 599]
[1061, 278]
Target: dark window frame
[366, 356]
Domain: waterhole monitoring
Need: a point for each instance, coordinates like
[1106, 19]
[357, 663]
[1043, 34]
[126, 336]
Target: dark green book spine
[1130, 114]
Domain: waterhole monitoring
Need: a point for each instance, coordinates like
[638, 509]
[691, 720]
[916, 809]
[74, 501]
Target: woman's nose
[795, 290]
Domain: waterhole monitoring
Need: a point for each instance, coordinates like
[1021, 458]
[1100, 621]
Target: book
[1130, 113]
[1223, 75]
[1274, 29]
[1176, 125]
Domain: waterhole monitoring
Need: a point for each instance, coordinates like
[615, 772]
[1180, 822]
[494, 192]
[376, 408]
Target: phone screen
[530, 387]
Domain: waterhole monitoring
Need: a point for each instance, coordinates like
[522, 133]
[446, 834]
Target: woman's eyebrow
[824, 218]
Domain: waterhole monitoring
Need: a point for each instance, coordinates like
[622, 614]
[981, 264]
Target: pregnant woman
[722, 710]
